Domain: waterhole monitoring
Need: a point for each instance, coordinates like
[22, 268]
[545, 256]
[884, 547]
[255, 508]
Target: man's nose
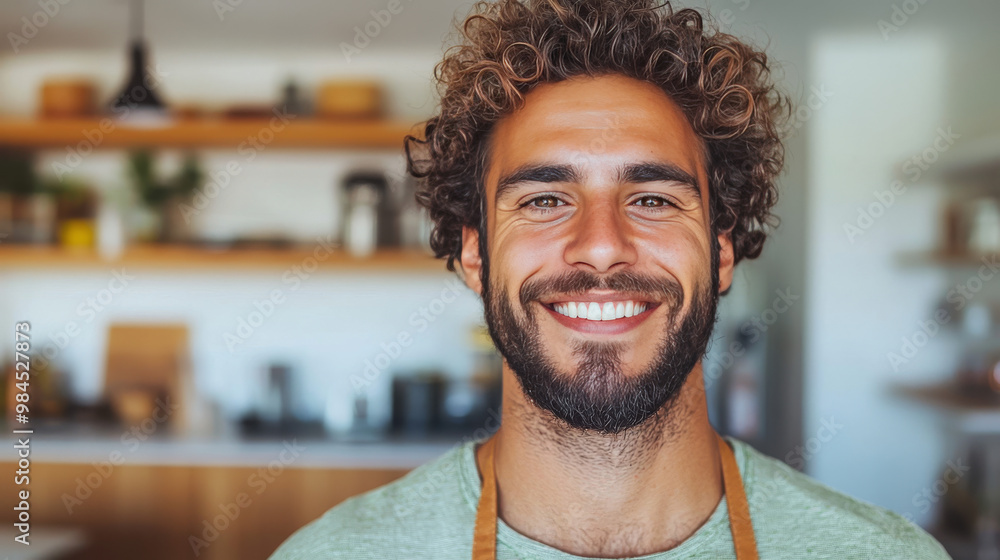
[600, 238]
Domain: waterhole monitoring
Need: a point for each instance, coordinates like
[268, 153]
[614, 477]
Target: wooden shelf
[950, 396]
[98, 133]
[185, 257]
[972, 163]
[970, 413]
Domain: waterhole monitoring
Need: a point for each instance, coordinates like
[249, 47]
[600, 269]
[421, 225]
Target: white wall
[890, 102]
[325, 328]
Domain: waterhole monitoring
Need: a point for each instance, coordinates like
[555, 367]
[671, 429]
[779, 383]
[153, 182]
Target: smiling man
[596, 171]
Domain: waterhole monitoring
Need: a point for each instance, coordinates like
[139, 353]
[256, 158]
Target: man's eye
[652, 201]
[544, 202]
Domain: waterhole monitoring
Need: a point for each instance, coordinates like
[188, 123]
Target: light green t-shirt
[430, 514]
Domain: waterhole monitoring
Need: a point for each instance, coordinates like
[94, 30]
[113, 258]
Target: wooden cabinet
[173, 512]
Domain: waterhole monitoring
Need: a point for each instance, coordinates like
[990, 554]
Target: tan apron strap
[484, 541]
[736, 501]
[485, 536]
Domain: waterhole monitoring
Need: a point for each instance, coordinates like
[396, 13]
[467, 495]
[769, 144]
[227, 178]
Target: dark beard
[599, 396]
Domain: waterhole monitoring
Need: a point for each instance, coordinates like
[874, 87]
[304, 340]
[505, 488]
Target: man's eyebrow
[646, 172]
[536, 173]
[666, 172]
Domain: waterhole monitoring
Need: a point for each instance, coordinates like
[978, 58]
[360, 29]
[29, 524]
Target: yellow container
[77, 233]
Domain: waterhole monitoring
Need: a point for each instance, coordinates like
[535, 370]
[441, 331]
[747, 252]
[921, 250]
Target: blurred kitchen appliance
[349, 99]
[292, 103]
[415, 224]
[416, 403]
[369, 214]
[275, 413]
[468, 404]
[426, 402]
[278, 399]
[350, 420]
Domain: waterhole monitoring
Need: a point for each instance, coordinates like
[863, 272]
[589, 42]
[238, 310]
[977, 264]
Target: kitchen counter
[292, 452]
[46, 542]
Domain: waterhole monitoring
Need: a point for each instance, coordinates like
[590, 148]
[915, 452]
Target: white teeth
[593, 311]
[607, 311]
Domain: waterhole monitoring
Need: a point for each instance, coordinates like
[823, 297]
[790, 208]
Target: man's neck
[642, 491]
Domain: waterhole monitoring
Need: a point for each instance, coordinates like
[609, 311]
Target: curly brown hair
[509, 46]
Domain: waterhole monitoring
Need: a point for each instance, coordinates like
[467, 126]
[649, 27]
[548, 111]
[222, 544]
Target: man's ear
[472, 262]
[726, 258]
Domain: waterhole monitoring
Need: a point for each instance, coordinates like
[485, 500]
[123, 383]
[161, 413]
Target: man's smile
[600, 313]
[597, 311]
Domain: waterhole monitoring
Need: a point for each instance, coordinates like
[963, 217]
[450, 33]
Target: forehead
[596, 122]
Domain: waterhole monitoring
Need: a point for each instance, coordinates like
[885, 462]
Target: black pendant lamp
[139, 94]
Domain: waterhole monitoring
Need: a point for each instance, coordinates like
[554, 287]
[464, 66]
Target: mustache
[665, 289]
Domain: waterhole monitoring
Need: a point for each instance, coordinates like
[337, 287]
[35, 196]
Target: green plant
[17, 173]
[74, 198]
[155, 191]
